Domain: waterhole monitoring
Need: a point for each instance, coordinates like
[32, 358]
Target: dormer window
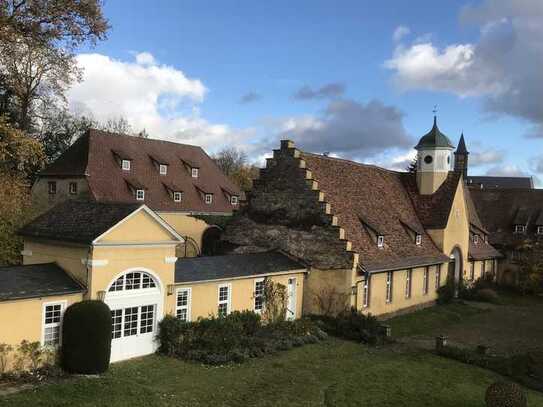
[520, 228]
[208, 198]
[540, 230]
[52, 186]
[234, 200]
[140, 194]
[418, 240]
[163, 169]
[195, 172]
[177, 196]
[380, 241]
[476, 239]
[125, 164]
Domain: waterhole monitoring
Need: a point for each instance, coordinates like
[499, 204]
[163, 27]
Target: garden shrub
[232, 338]
[505, 394]
[5, 350]
[445, 293]
[352, 325]
[86, 337]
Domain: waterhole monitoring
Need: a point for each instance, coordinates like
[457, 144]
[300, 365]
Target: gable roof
[488, 182]
[77, 221]
[378, 197]
[233, 266]
[95, 156]
[501, 209]
[36, 280]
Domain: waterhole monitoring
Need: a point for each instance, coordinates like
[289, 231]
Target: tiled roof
[364, 195]
[501, 209]
[77, 221]
[482, 251]
[96, 155]
[487, 182]
[233, 266]
[433, 210]
[36, 280]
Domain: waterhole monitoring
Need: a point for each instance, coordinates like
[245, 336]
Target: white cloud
[503, 66]
[507, 171]
[145, 58]
[400, 32]
[159, 98]
[486, 157]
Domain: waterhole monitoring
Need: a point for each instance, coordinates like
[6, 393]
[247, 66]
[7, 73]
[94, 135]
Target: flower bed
[233, 338]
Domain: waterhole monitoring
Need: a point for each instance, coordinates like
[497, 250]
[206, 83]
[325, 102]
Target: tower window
[428, 159]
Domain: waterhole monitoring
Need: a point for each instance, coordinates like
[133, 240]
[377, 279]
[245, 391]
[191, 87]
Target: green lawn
[332, 373]
[431, 319]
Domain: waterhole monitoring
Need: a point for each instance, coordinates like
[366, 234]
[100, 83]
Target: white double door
[134, 324]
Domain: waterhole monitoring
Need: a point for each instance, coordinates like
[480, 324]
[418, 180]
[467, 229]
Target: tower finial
[435, 114]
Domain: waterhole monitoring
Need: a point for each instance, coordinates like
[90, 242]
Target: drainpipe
[87, 267]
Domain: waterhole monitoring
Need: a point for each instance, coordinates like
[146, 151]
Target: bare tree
[234, 163]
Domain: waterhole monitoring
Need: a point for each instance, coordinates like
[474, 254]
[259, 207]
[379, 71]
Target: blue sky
[376, 93]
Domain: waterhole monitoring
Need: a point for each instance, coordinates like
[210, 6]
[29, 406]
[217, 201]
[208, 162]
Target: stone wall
[286, 211]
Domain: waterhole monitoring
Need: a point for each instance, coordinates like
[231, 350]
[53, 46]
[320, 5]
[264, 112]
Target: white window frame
[62, 304]
[228, 301]
[540, 230]
[234, 200]
[52, 187]
[408, 283]
[366, 286]
[125, 165]
[476, 239]
[163, 169]
[177, 196]
[187, 307]
[195, 172]
[258, 311]
[208, 199]
[418, 239]
[389, 288]
[138, 197]
[380, 241]
[72, 188]
[520, 228]
[438, 276]
[426, 280]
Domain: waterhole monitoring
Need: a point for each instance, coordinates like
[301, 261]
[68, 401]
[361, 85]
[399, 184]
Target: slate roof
[233, 265]
[501, 209]
[378, 197]
[77, 221]
[488, 182]
[434, 138]
[36, 280]
[96, 156]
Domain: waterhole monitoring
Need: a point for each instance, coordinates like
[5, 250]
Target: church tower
[434, 152]
[461, 158]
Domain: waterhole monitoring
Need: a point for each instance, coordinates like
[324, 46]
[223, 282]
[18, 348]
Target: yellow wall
[327, 284]
[204, 295]
[23, 319]
[68, 257]
[378, 304]
[429, 182]
[186, 226]
[140, 227]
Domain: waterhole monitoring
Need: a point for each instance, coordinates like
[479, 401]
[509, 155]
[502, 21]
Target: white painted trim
[189, 302]
[147, 210]
[281, 273]
[257, 280]
[63, 303]
[160, 286]
[94, 263]
[26, 252]
[228, 300]
[137, 244]
[170, 260]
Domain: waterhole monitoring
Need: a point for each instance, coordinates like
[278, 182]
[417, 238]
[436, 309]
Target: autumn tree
[234, 164]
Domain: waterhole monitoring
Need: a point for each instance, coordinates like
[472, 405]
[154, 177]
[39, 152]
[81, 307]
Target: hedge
[86, 338]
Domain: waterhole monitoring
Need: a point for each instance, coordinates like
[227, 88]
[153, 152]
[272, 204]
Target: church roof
[434, 138]
[461, 149]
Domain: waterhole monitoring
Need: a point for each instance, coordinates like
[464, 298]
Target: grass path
[333, 373]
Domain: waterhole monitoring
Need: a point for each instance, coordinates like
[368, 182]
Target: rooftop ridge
[104, 133]
[345, 160]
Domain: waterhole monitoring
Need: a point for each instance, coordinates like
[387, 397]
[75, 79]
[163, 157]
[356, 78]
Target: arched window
[134, 280]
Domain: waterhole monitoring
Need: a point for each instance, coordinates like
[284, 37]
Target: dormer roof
[434, 139]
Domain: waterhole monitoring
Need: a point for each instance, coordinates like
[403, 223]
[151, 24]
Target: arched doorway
[455, 268]
[135, 299]
[211, 241]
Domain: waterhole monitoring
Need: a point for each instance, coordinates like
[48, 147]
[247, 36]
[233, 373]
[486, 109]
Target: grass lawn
[332, 373]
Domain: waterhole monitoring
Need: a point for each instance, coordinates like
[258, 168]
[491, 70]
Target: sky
[357, 79]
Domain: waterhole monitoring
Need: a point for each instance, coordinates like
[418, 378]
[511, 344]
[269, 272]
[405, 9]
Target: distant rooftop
[488, 182]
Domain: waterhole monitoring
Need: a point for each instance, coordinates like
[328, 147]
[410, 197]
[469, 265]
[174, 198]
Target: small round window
[428, 159]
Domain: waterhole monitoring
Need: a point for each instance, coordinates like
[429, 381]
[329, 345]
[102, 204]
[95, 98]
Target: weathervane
[435, 110]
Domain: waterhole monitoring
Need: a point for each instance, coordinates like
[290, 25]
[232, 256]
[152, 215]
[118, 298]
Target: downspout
[87, 267]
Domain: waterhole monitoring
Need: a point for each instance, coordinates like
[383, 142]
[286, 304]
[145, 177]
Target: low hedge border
[526, 369]
[234, 338]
